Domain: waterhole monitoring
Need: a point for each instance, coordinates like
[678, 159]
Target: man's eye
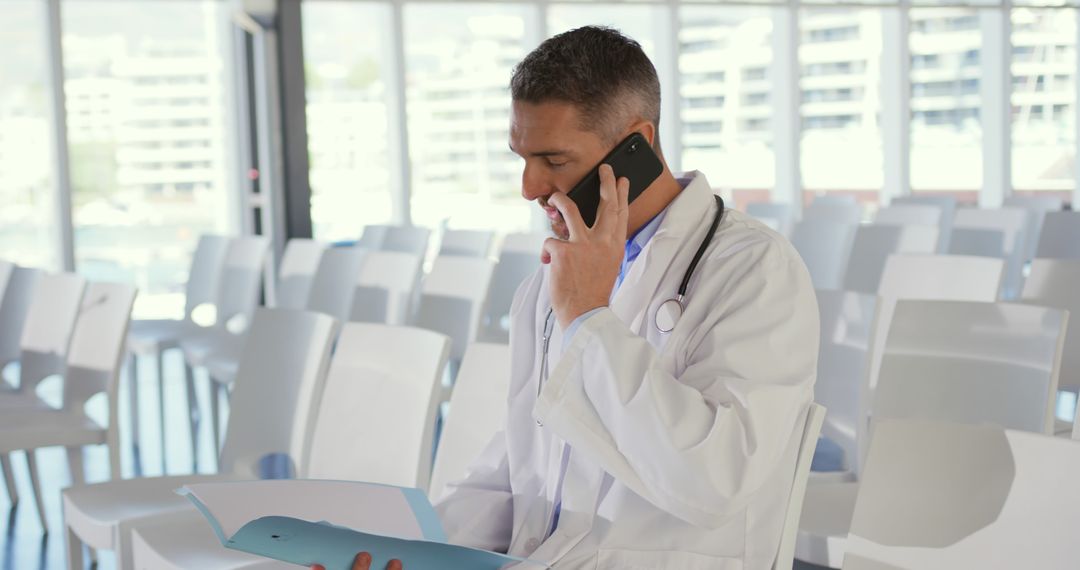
[556, 164]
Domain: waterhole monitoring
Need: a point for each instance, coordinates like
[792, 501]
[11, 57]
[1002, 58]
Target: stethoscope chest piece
[668, 314]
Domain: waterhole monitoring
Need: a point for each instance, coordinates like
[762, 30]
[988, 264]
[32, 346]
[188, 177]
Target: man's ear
[647, 130]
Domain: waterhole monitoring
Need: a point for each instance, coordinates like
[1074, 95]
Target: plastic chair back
[937, 496]
[204, 277]
[406, 239]
[50, 320]
[297, 271]
[846, 321]
[874, 244]
[241, 275]
[947, 205]
[376, 419]
[332, 285]
[453, 298]
[1060, 237]
[1056, 283]
[780, 214]
[514, 267]
[825, 247]
[466, 243]
[838, 209]
[477, 412]
[909, 215]
[785, 556]
[279, 383]
[1005, 225]
[97, 344]
[969, 362]
[15, 300]
[372, 237]
[530, 243]
[398, 274]
[1036, 207]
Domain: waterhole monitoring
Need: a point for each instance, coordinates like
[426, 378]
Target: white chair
[947, 205]
[952, 361]
[786, 553]
[1036, 207]
[846, 320]
[386, 288]
[155, 336]
[387, 373]
[332, 287]
[468, 243]
[825, 247]
[1060, 237]
[909, 215]
[477, 412]
[238, 295]
[939, 496]
[518, 259]
[1056, 283]
[372, 237]
[452, 300]
[92, 367]
[780, 215]
[1004, 228]
[406, 239]
[839, 209]
[278, 387]
[16, 294]
[298, 265]
[874, 244]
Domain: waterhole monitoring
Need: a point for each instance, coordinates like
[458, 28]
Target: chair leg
[215, 413]
[74, 551]
[161, 407]
[133, 413]
[9, 479]
[35, 487]
[75, 464]
[193, 416]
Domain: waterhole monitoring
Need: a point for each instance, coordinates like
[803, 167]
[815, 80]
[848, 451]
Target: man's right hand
[363, 562]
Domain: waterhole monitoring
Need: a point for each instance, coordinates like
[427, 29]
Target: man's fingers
[552, 246]
[362, 561]
[612, 200]
[570, 214]
[394, 564]
[623, 191]
[318, 567]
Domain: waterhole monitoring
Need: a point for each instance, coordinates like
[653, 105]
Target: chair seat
[199, 347]
[824, 524]
[151, 336]
[33, 429]
[94, 511]
[186, 541]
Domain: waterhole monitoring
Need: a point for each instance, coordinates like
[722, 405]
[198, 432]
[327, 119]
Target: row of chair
[318, 401]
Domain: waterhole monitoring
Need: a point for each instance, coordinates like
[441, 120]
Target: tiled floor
[23, 545]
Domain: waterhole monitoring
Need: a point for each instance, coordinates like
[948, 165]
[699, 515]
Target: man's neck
[653, 200]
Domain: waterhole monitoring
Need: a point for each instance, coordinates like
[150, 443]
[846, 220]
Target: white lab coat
[665, 450]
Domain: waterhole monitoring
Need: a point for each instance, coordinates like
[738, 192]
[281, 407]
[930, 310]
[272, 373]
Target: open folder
[329, 522]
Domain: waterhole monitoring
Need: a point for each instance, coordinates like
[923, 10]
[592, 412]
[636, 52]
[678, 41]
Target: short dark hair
[598, 69]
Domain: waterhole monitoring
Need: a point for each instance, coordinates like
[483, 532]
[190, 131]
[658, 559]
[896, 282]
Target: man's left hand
[585, 266]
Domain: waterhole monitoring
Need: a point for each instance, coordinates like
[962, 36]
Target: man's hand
[584, 267]
[363, 562]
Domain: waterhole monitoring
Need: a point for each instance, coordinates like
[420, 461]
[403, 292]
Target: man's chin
[560, 230]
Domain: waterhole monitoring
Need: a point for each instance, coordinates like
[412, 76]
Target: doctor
[625, 446]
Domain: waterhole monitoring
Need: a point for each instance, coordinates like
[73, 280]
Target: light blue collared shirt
[634, 245]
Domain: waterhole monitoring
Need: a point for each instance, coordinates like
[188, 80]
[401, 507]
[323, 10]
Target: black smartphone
[633, 158]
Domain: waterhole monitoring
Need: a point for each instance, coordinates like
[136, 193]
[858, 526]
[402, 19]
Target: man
[628, 447]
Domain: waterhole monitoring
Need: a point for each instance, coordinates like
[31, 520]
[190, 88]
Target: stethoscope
[667, 315]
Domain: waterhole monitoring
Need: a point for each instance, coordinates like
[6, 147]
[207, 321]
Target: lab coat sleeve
[699, 445]
[477, 511]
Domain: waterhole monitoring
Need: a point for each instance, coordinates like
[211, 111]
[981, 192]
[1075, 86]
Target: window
[946, 131]
[724, 99]
[458, 63]
[1043, 101]
[345, 59]
[140, 200]
[27, 231]
[841, 146]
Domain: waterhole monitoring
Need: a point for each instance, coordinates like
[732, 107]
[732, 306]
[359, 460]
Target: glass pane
[840, 66]
[458, 63]
[946, 133]
[27, 231]
[345, 65]
[149, 140]
[1044, 100]
[725, 56]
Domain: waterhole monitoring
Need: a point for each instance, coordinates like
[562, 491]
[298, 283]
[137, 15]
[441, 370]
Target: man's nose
[532, 187]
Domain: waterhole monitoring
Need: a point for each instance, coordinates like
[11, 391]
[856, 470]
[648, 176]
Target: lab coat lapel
[672, 240]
